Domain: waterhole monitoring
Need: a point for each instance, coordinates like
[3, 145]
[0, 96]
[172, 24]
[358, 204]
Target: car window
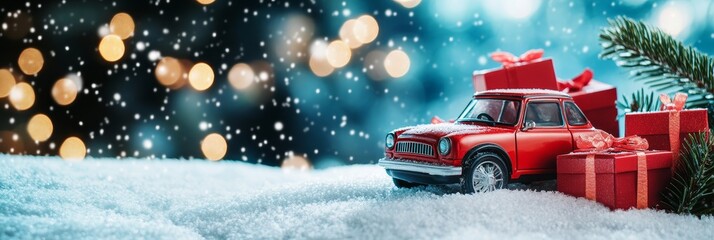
[574, 115]
[501, 111]
[544, 114]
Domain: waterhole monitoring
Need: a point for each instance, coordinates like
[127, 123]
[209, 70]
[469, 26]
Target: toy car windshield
[491, 110]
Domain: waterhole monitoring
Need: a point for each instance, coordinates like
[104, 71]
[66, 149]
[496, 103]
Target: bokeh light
[168, 71]
[338, 54]
[40, 127]
[347, 34]
[64, 91]
[7, 81]
[675, 18]
[408, 3]
[512, 9]
[241, 76]
[111, 48]
[214, 147]
[397, 63]
[122, 25]
[30, 61]
[201, 76]
[366, 29]
[374, 65]
[318, 59]
[295, 162]
[73, 149]
[205, 2]
[22, 96]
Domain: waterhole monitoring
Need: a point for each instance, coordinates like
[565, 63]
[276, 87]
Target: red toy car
[501, 136]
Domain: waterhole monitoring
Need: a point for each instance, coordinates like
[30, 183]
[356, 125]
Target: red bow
[437, 119]
[578, 82]
[676, 104]
[508, 59]
[601, 141]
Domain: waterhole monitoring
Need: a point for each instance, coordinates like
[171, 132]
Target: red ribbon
[674, 106]
[642, 193]
[437, 119]
[578, 82]
[602, 141]
[508, 59]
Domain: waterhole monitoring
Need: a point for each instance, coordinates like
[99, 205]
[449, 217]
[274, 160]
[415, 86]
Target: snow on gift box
[618, 173]
[596, 99]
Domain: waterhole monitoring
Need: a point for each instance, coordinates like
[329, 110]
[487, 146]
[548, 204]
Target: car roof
[523, 93]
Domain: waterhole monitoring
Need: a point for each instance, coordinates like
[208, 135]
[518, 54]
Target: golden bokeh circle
[241, 76]
[205, 2]
[73, 148]
[40, 127]
[30, 61]
[201, 76]
[397, 63]
[409, 3]
[64, 91]
[320, 66]
[366, 29]
[347, 34]
[168, 71]
[22, 96]
[7, 81]
[296, 163]
[111, 48]
[214, 147]
[122, 25]
[338, 53]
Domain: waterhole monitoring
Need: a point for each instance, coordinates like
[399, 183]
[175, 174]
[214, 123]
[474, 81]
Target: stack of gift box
[596, 99]
[620, 177]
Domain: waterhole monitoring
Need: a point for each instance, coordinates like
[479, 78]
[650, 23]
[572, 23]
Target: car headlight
[444, 146]
[389, 141]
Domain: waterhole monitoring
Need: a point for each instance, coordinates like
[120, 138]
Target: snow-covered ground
[50, 198]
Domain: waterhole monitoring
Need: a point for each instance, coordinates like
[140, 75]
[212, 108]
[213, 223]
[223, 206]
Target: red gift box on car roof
[612, 178]
[595, 99]
[526, 71]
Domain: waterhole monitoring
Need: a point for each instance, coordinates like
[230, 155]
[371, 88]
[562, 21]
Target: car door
[578, 124]
[538, 145]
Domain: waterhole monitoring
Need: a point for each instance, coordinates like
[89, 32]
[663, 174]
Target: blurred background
[307, 84]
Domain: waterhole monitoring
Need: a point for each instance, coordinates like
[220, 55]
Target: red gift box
[666, 130]
[619, 180]
[597, 101]
[535, 74]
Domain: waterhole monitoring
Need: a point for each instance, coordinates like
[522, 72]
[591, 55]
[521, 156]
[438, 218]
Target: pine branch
[691, 190]
[658, 59]
[640, 102]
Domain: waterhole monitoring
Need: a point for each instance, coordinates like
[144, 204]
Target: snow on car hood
[443, 129]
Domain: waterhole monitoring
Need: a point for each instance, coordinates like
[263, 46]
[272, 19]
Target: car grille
[415, 148]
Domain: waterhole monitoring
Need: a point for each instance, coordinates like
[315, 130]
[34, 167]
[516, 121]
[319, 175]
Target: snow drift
[44, 197]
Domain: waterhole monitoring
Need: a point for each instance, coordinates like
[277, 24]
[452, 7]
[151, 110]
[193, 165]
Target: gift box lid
[595, 95]
[534, 74]
[612, 162]
[652, 123]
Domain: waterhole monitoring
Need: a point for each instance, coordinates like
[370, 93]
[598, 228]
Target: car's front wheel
[404, 184]
[483, 173]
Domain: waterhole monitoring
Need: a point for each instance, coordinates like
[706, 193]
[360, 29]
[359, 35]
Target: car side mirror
[529, 125]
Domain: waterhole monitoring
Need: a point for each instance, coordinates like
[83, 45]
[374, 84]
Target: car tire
[484, 172]
[404, 184]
